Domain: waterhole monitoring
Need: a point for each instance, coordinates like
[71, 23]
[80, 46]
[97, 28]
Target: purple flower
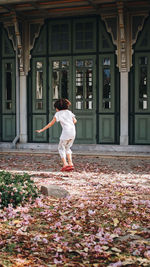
[57, 261]
[147, 254]
[136, 252]
[116, 264]
[91, 212]
[97, 248]
[45, 241]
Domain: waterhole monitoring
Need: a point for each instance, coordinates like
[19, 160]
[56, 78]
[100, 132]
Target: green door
[84, 98]
[142, 99]
[140, 89]
[8, 81]
[8, 96]
[106, 107]
[59, 87]
[65, 63]
[39, 99]
[80, 90]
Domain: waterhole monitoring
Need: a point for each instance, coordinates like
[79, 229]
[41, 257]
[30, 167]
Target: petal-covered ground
[105, 221]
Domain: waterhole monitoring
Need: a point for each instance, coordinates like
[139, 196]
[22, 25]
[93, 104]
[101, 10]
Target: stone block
[54, 191]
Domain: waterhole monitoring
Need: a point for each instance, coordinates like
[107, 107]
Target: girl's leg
[69, 157]
[64, 162]
[69, 152]
[62, 152]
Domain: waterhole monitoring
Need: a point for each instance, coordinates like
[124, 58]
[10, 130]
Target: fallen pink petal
[102, 220]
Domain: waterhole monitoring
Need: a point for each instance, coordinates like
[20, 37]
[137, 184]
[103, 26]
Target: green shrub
[16, 189]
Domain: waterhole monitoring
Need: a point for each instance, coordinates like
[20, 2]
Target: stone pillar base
[124, 140]
[23, 138]
[124, 108]
[23, 109]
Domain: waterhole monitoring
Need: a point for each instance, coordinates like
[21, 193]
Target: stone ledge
[77, 148]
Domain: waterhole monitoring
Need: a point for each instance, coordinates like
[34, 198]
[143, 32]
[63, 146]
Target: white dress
[65, 117]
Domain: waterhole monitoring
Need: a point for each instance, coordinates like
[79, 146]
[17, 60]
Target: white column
[23, 109]
[124, 109]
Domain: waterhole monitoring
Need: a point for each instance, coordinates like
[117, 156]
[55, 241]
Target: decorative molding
[19, 45]
[124, 28]
[11, 32]
[137, 22]
[116, 27]
[14, 34]
[137, 25]
[111, 26]
[34, 31]
[122, 39]
[27, 37]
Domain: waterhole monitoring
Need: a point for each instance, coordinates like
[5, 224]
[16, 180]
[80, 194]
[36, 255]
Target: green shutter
[142, 98]
[106, 110]
[8, 99]
[39, 98]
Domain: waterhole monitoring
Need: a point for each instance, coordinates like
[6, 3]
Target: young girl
[67, 120]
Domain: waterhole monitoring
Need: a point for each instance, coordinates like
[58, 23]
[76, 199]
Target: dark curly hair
[62, 104]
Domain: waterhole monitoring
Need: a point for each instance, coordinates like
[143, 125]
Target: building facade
[95, 53]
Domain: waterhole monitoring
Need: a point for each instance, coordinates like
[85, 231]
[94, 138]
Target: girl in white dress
[67, 120]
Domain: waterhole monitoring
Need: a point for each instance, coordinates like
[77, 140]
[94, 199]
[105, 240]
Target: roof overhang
[36, 9]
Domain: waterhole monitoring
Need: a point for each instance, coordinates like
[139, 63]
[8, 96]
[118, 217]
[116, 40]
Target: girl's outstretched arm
[51, 123]
[74, 120]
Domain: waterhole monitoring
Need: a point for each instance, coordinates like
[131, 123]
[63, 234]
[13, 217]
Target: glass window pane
[79, 104]
[39, 105]
[8, 66]
[88, 63]
[84, 84]
[60, 79]
[89, 104]
[106, 88]
[79, 27]
[55, 84]
[79, 63]
[143, 60]
[88, 35]
[84, 35]
[79, 89]
[9, 105]
[39, 81]
[55, 64]
[88, 26]
[60, 37]
[79, 84]
[64, 84]
[88, 44]
[39, 65]
[65, 63]
[8, 86]
[143, 95]
[143, 82]
[79, 36]
[89, 84]
[106, 61]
